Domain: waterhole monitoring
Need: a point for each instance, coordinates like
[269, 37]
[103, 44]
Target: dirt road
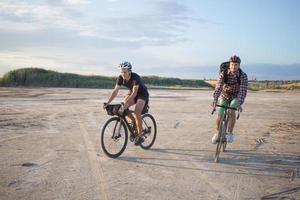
[50, 148]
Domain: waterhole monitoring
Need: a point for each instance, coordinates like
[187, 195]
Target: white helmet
[125, 65]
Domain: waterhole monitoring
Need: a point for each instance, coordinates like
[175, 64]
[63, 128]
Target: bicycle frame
[122, 117]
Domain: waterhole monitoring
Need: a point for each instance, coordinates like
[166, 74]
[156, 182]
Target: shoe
[230, 137]
[138, 140]
[215, 138]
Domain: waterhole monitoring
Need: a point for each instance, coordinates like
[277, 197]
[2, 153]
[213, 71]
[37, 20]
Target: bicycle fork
[117, 130]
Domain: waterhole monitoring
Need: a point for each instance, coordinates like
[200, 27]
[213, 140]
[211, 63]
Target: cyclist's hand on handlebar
[123, 110]
[105, 105]
[213, 105]
[240, 109]
[124, 106]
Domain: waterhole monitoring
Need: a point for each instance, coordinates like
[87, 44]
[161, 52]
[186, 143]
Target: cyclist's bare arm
[218, 89]
[114, 93]
[131, 96]
[240, 108]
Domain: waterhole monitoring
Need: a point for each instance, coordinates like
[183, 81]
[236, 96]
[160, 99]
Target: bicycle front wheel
[114, 137]
[224, 139]
[220, 142]
[218, 149]
[149, 131]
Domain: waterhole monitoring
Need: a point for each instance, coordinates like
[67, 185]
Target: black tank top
[134, 80]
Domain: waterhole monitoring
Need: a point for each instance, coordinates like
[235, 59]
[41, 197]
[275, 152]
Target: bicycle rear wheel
[114, 137]
[149, 131]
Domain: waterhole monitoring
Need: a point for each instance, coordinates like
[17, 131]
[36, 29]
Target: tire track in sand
[236, 193]
[94, 162]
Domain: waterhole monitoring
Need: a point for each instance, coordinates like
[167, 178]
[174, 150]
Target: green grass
[38, 77]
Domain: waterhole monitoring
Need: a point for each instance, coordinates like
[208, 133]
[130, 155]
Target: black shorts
[146, 99]
[143, 97]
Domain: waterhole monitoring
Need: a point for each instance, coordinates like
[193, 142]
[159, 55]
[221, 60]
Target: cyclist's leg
[231, 115]
[222, 102]
[130, 115]
[138, 114]
[221, 111]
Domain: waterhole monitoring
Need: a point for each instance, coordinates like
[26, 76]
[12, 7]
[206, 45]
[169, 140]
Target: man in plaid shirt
[231, 90]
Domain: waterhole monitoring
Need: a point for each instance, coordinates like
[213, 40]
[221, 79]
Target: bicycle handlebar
[226, 107]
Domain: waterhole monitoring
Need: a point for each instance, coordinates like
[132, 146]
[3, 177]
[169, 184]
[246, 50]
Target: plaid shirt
[232, 89]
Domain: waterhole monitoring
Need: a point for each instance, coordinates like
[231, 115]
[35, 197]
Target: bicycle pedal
[132, 138]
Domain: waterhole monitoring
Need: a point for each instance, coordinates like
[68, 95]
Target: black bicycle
[114, 136]
[222, 141]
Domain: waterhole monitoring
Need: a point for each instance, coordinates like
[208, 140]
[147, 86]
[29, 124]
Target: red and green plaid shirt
[232, 89]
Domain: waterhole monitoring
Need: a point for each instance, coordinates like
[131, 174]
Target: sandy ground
[50, 148]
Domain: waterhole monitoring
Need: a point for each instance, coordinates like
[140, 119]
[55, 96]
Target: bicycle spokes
[148, 131]
[114, 137]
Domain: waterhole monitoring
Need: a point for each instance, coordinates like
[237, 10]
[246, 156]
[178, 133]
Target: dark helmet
[235, 59]
[125, 65]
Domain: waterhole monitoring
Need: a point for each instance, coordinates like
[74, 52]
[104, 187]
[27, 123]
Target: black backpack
[224, 69]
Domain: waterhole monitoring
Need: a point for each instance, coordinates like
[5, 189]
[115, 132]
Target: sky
[185, 39]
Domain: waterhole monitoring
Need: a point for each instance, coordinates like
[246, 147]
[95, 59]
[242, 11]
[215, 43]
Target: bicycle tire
[110, 136]
[219, 144]
[224, 141]
[149, 137]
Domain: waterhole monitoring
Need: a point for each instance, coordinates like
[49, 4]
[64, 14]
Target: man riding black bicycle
[138, 95]
[231, 90]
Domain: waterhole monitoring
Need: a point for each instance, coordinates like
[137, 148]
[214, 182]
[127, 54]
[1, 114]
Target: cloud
[66, 35]
[76, 2]
[162, 23]
[35, 17]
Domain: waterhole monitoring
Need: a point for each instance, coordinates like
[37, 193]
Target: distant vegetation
[268, 85]
[45, 78]
[37, 77]
[271, 85]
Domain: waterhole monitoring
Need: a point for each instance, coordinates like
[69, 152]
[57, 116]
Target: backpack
[224, 69]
